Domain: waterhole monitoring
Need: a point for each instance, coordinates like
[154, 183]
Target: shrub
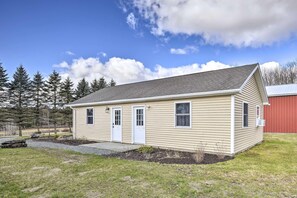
[145, 149]
[199, 153]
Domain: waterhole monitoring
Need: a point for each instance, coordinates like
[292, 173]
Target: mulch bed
[165, 156]
[65, 141]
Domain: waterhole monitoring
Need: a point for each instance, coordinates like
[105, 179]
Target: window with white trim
[245, 114]
[90, 116]
[258, 115]
[183, 114]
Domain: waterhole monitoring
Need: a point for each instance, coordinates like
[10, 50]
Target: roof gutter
[286, 94]
[167, 97]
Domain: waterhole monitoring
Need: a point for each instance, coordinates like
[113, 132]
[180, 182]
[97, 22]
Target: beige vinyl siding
[247, 137]
[211, 118]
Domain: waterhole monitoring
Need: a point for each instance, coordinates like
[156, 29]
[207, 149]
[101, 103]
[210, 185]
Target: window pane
[139, 117]
[89, 112]
[90, 120]
[117, 117]
[182, 108]
[246, 106]
[245, 121]
[183, 120]
[245, 114]
[258, 112]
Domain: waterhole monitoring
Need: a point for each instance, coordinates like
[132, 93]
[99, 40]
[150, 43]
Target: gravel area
[80, 149]
[4, 139]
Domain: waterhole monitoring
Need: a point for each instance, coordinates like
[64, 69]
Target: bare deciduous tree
[286, 74]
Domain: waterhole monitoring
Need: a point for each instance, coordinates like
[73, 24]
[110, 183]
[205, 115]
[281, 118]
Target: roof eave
[156, 98]
[279, 95]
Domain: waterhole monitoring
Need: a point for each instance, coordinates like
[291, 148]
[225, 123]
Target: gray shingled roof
[217, 80]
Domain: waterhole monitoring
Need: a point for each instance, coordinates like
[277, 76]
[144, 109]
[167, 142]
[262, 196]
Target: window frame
[258, 106]
[93, 116]
[190, 114]
[244, 102]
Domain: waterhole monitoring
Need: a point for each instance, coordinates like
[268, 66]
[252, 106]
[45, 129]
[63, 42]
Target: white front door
[116, 124]
[139, 125]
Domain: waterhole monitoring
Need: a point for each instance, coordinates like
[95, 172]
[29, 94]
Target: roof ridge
[201, 72]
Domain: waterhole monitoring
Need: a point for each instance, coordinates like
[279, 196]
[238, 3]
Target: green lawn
[267, 170]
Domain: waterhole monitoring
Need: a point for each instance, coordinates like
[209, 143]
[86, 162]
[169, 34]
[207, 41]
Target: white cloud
[229, 22]
[131, 21]
[127, 70]
[122, 6]
[270, 65]
[69, 53]
[63, 64]
[183, 51]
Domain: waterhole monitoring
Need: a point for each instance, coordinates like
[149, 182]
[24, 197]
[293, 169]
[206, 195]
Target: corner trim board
[232, 132]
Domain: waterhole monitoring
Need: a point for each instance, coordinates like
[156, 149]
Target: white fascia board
[178, 96]
[262, 82]
[248, 78]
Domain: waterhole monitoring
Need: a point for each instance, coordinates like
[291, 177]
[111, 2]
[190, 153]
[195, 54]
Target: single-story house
[281, 115]
[221, 110]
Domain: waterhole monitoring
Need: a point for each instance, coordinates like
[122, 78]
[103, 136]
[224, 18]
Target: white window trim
[179, 102]
[258, 106]
[87, 115]
[242, 114]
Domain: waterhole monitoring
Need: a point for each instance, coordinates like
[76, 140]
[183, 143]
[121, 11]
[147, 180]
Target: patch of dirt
[84, 173]
[34, 189]
[195, 186]
[93, 194]
[64, 141]
[127, 179]
[165, 156]
[52, 172]
[18, 173]
[38, 168]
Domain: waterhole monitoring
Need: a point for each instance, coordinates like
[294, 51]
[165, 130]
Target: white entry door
[139, 125]
[116, 124]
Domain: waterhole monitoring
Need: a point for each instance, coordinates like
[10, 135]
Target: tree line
[22, 100]
[285, 74]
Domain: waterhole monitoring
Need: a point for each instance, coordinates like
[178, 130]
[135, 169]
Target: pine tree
[102, 83]
[20, 97]
[67, 97]
[3, 78]
[3, 95]
[112, 83]
[95, 85]
[39, 97]
[53, 92]
[82, 89]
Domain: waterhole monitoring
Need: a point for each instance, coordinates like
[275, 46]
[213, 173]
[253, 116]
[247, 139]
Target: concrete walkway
[101, 148]
[118, 147]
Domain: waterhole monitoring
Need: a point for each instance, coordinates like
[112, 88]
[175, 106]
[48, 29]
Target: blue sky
[98, 38]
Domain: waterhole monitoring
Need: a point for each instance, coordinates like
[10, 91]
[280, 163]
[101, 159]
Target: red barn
[281, 115]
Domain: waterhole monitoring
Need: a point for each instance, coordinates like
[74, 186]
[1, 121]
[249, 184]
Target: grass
[267, 170]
